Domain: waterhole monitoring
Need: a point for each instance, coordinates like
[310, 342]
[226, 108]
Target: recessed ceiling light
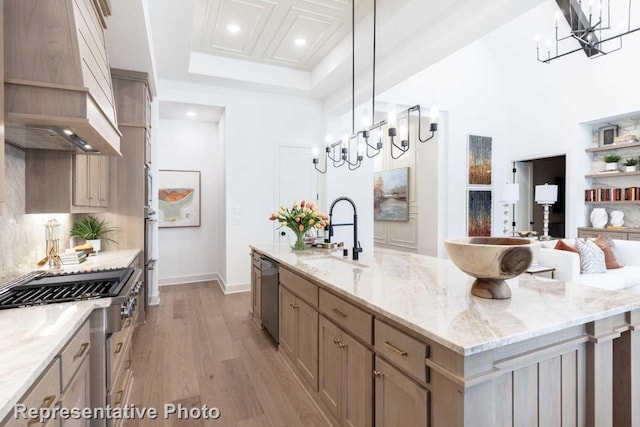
[300, 42]
[191, 113]
[233, 28]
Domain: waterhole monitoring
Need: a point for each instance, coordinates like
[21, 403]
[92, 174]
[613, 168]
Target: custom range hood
[58, 92]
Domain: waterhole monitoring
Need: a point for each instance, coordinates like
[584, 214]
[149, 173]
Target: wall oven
[148, 188]
[149, 262]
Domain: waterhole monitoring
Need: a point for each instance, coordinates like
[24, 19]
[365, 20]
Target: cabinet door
[77, 395]
[103, 181]
[330, 375]
[307, 342]
[357, 395]
[399, 401]
[287, 323]
[81, 193]
[94, 180]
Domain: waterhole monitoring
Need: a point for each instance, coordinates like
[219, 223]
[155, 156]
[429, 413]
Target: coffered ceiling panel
[289, 33]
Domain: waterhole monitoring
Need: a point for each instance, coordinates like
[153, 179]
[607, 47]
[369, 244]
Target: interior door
[296, 179]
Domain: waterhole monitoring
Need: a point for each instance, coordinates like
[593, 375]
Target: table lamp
[546, 195]
[510, 195]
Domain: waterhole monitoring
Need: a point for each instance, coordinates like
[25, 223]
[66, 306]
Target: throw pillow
[610, 260]
[615, 250]
[591, 258]
[563, 246]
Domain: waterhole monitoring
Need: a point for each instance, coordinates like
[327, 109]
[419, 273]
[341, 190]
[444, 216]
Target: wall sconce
[546, 195]
[510, 196]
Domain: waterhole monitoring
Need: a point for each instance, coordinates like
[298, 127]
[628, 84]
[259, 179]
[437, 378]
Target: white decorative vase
[616, 218]
[611, 166]
[599, 218]
[630, 168]
[96, 244]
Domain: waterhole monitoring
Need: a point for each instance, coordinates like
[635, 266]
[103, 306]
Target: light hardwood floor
[200, 347]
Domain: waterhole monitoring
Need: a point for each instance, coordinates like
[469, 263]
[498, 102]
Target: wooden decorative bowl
[491, 260]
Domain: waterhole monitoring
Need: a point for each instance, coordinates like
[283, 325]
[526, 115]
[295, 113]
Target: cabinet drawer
[73, 354]
[346, 315]
[44, 394]
[588, 234]
[119, 342]
[122, 383]
[633, 236]
[256, 260]
[299, 286]
[402, 350]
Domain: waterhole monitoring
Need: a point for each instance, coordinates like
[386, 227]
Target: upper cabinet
[57, 73]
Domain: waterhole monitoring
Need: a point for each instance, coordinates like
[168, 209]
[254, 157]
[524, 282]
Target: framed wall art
[391, 195]
[479, 160]
[178, 198]
[479, 212]
[607, 135]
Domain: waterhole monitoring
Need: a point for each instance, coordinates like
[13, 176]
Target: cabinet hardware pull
[118, 348]
[336, 340]
[46, 403]
[127, 323]
[293, 306]
[338, 312]
[342, 345]
[83, 349]
[128, 365]
[376, 373]
[396, 349]
[119, 398]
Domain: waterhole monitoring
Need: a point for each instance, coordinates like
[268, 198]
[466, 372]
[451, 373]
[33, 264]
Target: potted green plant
[631, 164]
[612, 161]
[93, 230]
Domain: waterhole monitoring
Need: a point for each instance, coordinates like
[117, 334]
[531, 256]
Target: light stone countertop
[31, 337]
[431, 297]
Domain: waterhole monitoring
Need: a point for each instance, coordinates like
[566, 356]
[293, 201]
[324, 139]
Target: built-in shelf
[619, 202]
[612, 174]
[612, 147]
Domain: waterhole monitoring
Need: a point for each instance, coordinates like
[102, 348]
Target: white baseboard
[192, 278]
[207, 277]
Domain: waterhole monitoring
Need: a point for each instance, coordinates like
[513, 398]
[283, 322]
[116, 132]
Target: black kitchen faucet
[356, 244]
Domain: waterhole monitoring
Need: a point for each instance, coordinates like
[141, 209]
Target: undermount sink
[327, 262]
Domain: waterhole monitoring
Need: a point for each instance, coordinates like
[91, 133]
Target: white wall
[255, 124]
[191, 254]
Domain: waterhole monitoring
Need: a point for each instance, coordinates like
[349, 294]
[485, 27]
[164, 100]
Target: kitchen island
[548, 356]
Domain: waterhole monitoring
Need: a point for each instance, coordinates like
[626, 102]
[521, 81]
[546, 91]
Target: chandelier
[591, 26]
[339, 153]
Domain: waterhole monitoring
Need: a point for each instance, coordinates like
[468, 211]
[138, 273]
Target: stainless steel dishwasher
[270, 299]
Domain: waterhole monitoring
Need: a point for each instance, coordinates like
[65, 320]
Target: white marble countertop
[431, 296]
[31, 337]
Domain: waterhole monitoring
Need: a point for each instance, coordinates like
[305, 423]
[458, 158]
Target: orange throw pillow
[609, 258]
[562, 246]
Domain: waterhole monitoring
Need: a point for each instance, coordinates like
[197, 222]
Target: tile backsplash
[22, 237]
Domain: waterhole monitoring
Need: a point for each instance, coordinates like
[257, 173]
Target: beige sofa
[567, 265]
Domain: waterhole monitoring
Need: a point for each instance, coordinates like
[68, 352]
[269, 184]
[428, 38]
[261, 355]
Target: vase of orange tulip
[300, 218]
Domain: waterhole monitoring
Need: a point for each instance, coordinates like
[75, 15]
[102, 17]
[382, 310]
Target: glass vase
[299, 243]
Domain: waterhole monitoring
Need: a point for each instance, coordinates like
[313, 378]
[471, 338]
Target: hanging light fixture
[590, 27]
[390, 125]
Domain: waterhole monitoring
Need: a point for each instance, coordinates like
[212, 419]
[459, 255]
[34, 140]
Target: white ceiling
[183, 111]
[268, 29]
[186, 41]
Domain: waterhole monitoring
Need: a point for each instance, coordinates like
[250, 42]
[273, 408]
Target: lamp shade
[510, 193]
[546, 194]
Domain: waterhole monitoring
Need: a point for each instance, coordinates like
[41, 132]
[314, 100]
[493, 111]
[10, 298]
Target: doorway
[532, 172]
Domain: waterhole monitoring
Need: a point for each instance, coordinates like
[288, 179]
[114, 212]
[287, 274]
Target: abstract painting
[479, 206]
[391, 195]
[179, 198]
[479, 156]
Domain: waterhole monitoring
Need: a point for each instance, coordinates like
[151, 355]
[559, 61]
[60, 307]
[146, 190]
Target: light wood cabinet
[398, 400]
[256, 294]
[78, 394]
[91, 180]
[345, 384]
[61, 182]
[299, 335]
[624, 234]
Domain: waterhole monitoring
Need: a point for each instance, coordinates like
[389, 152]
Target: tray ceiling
[267, 30]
